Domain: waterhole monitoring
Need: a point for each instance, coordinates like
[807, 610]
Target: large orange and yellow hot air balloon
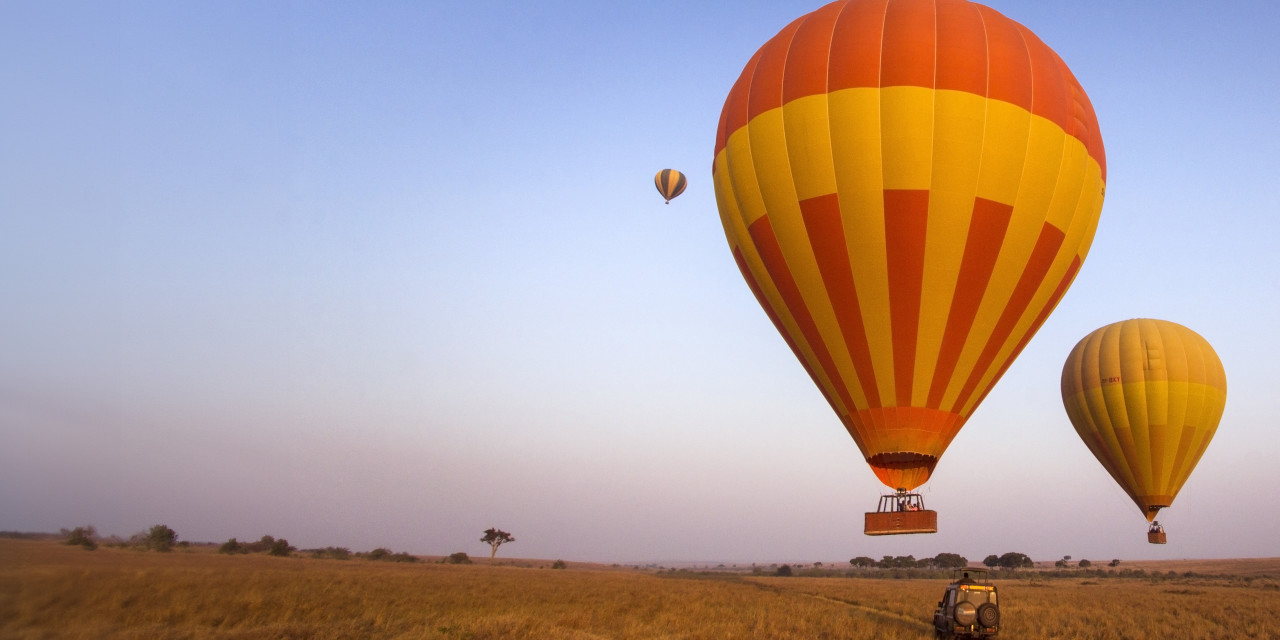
[1146, 397]
[908, 188]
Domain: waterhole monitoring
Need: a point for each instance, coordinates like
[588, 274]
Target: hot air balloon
[1146, 397]
[670, 183]
[908, 188]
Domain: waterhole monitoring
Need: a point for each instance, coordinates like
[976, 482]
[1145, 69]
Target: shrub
[558, 564]
[233, 546]
[332, 553]
[262, 545]
[457, 558]
[385, 555]
[280, 548]
[82, 536]
[160, 538]
[784, 570]
[1084, 564]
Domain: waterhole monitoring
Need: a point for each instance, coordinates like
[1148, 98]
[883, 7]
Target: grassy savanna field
[50, 590]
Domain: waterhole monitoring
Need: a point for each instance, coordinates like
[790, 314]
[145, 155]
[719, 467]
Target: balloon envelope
[1146, 397]
[670, 183]
[908, 188]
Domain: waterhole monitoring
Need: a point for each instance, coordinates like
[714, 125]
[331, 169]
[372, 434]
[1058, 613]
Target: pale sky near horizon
[386, 275]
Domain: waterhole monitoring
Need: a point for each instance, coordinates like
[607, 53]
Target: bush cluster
[331, 553]
[158, 538]
[385, 555]
[267, 544]
[86, 537]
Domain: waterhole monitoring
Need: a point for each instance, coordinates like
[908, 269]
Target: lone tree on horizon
[496, 538]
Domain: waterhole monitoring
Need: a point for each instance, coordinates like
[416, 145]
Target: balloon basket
[898, 514]
[898, 523]
[1155, 534]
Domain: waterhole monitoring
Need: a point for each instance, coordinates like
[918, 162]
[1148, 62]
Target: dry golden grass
[51, 591]
[1232, 567]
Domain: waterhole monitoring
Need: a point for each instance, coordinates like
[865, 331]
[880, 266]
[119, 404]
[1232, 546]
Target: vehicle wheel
[965, 613]
[988, 615]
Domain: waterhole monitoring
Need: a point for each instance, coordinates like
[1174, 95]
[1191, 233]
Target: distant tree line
[162, 538]
[940, 561]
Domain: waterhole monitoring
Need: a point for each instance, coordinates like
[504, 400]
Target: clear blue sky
[388, 275]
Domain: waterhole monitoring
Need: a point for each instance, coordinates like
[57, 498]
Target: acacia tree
[496, 538]
[1015, 560]
[862, 562]
[949, 561]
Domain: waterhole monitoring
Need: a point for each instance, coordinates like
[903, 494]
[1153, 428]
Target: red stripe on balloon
[735, 106]
[776, 264]
[825, 226]
[981, 249]
[1032, 277]
[777, 322]
[766, 83]
[963, 64]
[906, 216]
[1010, 78]
[856, 44]
[909, 44]
[1054, 299]
[805, 73]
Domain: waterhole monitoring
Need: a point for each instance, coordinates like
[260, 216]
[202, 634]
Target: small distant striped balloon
[670, 183]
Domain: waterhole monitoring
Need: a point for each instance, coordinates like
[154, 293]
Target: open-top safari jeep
[969, 608]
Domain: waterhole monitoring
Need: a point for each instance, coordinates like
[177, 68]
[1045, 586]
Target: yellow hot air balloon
[908, 188]
[670, 183]
[1146, 397]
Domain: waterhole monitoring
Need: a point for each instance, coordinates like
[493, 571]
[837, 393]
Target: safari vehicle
[968, 608]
